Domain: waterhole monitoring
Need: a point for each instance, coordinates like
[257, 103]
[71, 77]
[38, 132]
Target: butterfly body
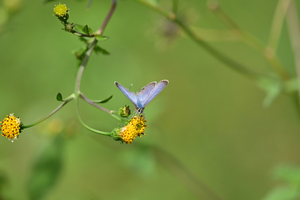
[143, 97]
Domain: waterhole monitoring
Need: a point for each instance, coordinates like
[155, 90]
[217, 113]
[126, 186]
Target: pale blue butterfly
[143, 97]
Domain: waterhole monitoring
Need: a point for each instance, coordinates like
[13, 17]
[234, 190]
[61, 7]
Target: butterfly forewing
[130, 95]
[155, 91]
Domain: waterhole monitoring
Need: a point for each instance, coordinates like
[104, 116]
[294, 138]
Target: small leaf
[46, 169]
[101, 38]
[104, 100]
[98, 49]
[273, 87]
[59, 97]
[80, 52]
[86, 29]
[78, 27]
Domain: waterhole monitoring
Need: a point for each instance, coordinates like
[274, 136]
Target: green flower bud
[69, 27]
[115, 134]
[124, 111]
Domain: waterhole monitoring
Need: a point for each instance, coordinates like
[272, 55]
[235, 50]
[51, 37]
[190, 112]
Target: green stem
[292, 19]
[86, 126]
[182, 173]
[53, 112]
[277, 23]
[104, 24]
[221, 57]
[267, 52]
[77, 92]
[101, 108]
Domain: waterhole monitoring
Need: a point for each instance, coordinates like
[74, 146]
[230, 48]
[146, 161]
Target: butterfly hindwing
[143, 95]
[155, 91]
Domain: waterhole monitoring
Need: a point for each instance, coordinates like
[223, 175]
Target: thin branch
[251, 40]
[214, 52]
[277, 23]
[180, 171]
[101, 108]
[86, 126]
[294, 32]
[112, 9]
[52, 113]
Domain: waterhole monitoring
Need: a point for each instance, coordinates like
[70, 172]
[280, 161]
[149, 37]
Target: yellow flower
[135, 127]
[140, 123]
[10, 127]
[128, 133]
[61, 10]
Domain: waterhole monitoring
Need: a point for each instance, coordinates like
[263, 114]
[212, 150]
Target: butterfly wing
[130, 95]
[147, 97]
[143, 95]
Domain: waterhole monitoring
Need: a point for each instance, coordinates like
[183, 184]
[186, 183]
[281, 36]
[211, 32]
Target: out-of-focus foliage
[210, 118]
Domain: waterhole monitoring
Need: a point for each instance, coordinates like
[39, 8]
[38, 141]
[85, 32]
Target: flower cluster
[11, 127]
[61, 11]
[135, 127]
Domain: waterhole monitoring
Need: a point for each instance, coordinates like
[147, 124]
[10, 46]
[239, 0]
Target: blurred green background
[210, 118]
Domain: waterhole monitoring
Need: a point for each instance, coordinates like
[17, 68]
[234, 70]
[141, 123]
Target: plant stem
[86, 126]
[266, 51]
[82, 67]
[53, 112]
[112, 9]
[101, 108]
[294, 32]
[277, 23]
[221, 57]
[180, 171]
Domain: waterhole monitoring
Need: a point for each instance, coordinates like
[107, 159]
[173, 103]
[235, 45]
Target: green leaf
[101, 38]
[86, 30]
[79, 27]
[59, 97]
[273, 87]
[104, 100]
[98, 49]
[46, 169]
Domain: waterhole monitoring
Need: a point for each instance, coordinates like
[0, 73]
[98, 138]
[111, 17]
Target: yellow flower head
[10, 127]
[140, 124]
[128, 133]
[61, 10]
[135, 127]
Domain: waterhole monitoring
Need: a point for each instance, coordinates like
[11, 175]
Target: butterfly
[143, 97]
